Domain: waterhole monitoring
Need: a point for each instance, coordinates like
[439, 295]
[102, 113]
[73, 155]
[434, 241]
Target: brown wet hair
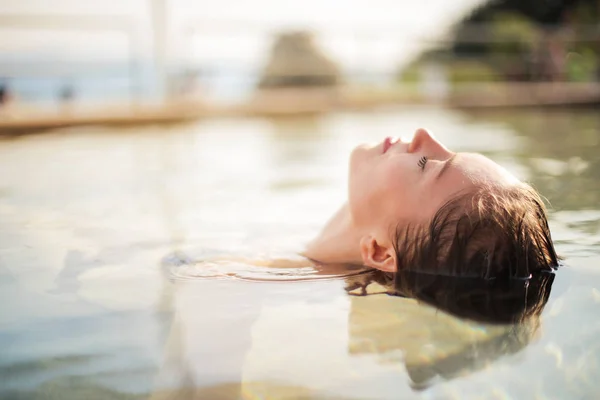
[486, 255]
[492, 301]
[490, 232]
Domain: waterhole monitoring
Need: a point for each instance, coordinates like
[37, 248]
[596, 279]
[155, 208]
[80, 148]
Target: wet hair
[492, 301]
[491, 232]
[484, 300]
[486, 255]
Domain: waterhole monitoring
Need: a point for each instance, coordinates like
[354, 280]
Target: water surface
[90, 216]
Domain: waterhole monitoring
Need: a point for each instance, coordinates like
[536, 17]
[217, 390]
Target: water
[91, 219]
[121, 82]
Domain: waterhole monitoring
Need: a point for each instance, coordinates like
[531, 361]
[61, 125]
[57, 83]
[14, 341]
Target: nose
[423, 142]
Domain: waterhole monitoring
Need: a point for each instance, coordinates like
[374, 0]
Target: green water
[88, 217]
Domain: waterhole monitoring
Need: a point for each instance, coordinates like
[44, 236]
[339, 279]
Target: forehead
[478, 169]
[466, 171]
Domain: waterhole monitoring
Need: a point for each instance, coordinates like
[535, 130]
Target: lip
[387, 143]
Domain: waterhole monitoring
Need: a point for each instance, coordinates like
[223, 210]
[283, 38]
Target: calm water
[90, 218]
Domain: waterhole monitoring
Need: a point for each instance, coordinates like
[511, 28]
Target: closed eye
[422, 161]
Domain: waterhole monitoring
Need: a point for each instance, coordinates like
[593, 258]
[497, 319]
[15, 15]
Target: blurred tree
[542, 12]
[524, 38]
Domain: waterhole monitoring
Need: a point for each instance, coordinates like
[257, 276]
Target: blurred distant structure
[184, 84]
[66, 93]
[4, 94]
[160, 18]
[296, 61]
[66, 96]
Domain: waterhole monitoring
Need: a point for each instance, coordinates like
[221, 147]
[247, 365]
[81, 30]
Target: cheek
[376, 191]
[394, 177]
[394, 189]
[360, 170]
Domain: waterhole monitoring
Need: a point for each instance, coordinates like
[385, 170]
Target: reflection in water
[203, 356]
[267, 341]
[296, 151]
[72, 388]
[235, 391]
[433, 344]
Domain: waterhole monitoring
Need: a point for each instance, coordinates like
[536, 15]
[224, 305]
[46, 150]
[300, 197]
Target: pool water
[93, 221]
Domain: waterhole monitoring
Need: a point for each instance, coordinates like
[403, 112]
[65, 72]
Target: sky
[377, 35]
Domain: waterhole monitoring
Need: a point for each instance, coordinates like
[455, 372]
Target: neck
[338, 241]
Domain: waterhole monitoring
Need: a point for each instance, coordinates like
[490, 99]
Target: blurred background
[139, 60]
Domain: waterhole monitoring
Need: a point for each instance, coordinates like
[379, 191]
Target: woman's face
[397, 180]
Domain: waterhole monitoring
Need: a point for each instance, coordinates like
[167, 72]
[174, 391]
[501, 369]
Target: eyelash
[422, 162]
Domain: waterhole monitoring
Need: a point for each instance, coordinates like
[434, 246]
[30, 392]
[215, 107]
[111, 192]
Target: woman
[416, 205]
[455, 231]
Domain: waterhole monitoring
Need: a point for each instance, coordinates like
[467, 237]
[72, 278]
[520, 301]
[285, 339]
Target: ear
[377, 255]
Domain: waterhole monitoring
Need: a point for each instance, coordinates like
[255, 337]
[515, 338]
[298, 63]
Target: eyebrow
[445, 167]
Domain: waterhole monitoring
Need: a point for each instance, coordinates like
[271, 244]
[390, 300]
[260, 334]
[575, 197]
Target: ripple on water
[181, 267]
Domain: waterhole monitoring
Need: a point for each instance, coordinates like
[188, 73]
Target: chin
[361, 152]
[356, 158]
